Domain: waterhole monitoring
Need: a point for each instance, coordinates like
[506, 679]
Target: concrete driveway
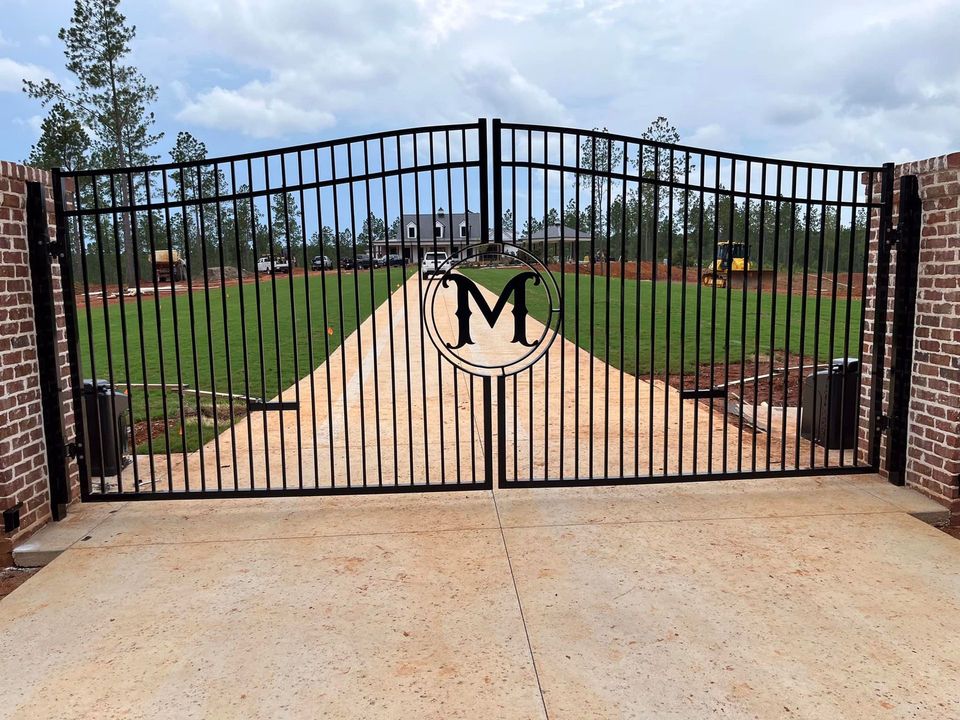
[806, 598]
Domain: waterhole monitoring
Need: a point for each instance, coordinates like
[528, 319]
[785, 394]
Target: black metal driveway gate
[412, 311]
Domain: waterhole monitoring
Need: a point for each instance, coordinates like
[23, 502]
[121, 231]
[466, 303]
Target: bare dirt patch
[782, 388]
[157, 428]
[952, 531]
[13, 577]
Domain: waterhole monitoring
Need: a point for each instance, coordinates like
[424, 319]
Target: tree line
[659, 219]
[776, 233]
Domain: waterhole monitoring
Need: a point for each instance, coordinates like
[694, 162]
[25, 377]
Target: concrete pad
[774, 497]
[183, 521]
[55, 537]
[905, 498]
[386, 626]
[813, 617]
[636, 603]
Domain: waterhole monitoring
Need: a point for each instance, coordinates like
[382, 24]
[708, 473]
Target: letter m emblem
[467, 289]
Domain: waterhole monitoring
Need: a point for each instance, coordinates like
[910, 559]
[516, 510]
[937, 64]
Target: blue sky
[851, 82]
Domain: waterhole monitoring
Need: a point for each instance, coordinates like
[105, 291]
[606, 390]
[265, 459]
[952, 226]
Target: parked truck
[169, 266]
[276, 264]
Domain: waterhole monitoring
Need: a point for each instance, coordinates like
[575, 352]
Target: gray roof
[450, 222]
[553, 232]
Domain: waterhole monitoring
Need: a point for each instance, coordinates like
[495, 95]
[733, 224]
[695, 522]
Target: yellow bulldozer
[731, 266]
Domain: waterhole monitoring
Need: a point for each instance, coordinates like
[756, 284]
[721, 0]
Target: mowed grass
[218, 336]
[645, 343]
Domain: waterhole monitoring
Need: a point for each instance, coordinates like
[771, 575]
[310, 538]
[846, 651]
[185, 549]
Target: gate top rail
[303, 147]
[657, 144]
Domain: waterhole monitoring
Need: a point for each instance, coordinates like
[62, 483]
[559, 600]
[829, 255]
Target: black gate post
[885, 232]
[42, 254]
[907, 238]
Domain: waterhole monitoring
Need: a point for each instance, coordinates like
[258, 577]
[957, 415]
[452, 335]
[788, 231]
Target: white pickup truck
[434, 263]
[278, 264]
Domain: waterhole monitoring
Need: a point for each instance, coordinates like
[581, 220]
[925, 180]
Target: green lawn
[655, 332]
[286, 342]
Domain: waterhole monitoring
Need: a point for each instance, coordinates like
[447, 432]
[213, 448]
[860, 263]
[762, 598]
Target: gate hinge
[73, 450]
[893, 236]
[883, 423]
[55, 249]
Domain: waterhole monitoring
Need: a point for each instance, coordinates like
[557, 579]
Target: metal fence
[254, 347]
[283, 323]
[704, 294]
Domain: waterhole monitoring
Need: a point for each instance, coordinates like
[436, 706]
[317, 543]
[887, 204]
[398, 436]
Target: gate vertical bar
[901, 336]
[488, 431]
[48, 357]
[884, 230]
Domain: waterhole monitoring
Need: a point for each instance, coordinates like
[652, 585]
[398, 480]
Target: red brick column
[933, 450]
[23, 467]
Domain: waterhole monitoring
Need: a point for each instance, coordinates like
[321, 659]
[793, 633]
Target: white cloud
[709, 136]
[496, 87]
[13, 73]
[744, 76]
[33, 122]
[446, 17]
[254, 111]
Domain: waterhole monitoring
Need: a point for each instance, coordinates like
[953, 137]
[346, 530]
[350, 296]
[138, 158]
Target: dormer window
[463, 229]
[412, 231]
[438, 231]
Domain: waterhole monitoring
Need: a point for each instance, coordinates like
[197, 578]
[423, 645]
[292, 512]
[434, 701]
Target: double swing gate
[457, 307]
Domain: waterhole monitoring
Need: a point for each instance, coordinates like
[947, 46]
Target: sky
[839, 81]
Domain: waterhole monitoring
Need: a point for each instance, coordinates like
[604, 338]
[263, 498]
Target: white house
[426, 232]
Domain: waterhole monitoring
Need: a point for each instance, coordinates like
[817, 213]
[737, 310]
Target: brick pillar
[23, 468]
[933, 449]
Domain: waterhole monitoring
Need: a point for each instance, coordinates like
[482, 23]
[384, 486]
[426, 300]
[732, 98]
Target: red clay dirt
[12, 578]
[692, 275]
[764, 392]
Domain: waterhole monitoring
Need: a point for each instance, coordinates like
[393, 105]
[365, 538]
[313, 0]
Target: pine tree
[110, 96]
[63, 142]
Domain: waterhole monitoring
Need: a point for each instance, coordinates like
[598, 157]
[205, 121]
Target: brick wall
[23, 467]
[933, 451]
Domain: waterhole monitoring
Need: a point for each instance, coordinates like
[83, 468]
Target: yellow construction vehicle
[730, 263]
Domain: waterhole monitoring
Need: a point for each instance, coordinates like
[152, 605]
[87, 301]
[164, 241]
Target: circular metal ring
[532, 353]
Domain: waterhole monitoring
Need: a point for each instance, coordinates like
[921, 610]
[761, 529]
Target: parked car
[379, 261]
[322, 262]
[434, 263]
[364, 262]
[346, 262]
[395, 259]
[277, 264]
